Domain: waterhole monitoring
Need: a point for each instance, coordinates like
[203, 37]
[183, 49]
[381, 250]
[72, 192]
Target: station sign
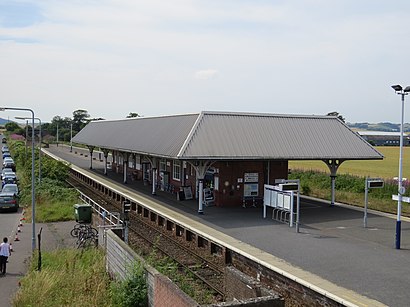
[375, 183]
[290, 186]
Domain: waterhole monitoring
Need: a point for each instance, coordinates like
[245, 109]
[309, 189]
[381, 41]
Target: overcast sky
[113, 57]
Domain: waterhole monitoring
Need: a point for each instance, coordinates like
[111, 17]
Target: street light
[25, 142]
[71, 136]
[33, 199]
[403, 92]
[39, 146]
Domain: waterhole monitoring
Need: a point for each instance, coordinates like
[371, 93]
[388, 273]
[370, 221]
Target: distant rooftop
[380, 133]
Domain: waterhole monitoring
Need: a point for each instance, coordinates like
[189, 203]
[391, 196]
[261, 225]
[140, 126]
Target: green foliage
[182, 277]
[54, 170]
[69, 277]
[350, 183]
[80, 119]
[305, 189]
[13, 127]
[133, 290]
[54, 198]
[133, 114]
[310, 180]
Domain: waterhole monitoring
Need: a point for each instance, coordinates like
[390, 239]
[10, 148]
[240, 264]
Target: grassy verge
[54, 201]
[68, 277]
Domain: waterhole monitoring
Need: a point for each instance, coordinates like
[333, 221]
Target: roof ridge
[190, 134]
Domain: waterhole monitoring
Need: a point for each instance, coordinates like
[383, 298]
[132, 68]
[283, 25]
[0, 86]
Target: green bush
[314, 180]
[133, 290]
[54, 197]
[305, 189]
[68, 277]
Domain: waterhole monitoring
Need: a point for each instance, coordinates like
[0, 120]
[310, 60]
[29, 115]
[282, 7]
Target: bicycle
[86, 240]
[82, 227]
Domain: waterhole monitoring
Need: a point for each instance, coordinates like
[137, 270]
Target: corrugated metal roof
[227, 135]
[162, 136]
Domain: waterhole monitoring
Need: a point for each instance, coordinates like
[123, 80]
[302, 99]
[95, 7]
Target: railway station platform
[332, 250]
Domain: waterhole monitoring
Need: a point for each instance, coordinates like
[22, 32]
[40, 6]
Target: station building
[221, 158]
[384, 138]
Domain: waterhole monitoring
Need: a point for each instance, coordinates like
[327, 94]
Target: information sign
[251, 177]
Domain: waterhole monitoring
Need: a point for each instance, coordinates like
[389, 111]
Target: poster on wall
[188, 192]
[250, 189]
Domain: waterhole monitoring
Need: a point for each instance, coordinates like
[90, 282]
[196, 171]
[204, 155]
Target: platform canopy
[230, 136]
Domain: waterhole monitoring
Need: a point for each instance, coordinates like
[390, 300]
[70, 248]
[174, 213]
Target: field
[386, 168]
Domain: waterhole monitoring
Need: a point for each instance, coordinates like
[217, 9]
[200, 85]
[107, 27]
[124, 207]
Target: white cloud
[206, 74]
[113, 57]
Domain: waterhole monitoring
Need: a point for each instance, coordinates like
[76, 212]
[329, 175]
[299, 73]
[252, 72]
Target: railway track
[146, 235]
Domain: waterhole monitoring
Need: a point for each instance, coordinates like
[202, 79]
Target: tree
[14, 128]
[133, 114]
[336, 114]
[80, 119]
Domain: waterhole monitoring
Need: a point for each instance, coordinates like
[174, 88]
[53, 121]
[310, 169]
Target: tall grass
[68, 277]
[350, 190]
[54, 198]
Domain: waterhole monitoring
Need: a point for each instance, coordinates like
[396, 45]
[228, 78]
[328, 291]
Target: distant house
[384, 138]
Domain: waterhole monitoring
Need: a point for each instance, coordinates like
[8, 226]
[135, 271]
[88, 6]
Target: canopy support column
[153, 162]
[201, 167]
[91, 149]
[333, 165]
[105, 151]
[125, 166]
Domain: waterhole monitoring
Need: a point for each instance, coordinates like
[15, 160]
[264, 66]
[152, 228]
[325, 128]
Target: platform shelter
[221, 158]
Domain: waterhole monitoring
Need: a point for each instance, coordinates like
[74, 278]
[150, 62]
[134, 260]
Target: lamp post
[25, 143]
[33, 199]
[71, 136]
[403, 92]
[39, 146]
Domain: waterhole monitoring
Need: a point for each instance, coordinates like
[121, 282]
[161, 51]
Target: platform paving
[332, 243]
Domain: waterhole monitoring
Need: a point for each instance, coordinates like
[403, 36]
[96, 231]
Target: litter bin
[83, 213]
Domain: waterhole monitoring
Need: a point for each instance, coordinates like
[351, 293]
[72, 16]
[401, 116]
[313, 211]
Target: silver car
[10, 188]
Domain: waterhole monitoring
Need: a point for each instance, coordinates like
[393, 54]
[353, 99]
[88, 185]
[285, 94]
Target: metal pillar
[201, 195]
[154, 181]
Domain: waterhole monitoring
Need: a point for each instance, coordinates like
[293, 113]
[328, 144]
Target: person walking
[4, 255]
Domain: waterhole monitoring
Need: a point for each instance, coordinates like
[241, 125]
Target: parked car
[9, 178]
[4, 148]
[9, 201]
[8, 159]
[6, 154]
[9, 163]
[9, 173]
[10, 188]
[6, 170]
[4, 140]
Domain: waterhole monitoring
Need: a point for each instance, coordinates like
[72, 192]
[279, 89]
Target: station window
[162, 165]
[131, 163]
[176, 170]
